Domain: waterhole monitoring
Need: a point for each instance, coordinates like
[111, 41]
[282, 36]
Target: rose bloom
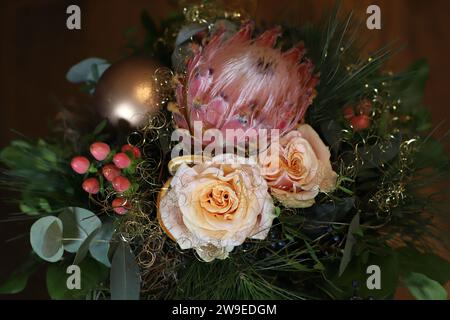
[302, 169]
[216, 205]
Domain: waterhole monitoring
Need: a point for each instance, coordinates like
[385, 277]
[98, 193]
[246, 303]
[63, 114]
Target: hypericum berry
[91, 186]
[364, 107]
[110, 172]
[121, 160]
[348, 112]
[120, 206]
[121, 184]
[360, 122]
[134, 150]
[100, 150]
[80, 164]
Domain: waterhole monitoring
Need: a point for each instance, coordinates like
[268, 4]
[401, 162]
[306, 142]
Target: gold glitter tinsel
[208, 12]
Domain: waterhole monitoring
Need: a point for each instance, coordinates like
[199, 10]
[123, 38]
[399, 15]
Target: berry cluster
[359, 117]
[111, 166]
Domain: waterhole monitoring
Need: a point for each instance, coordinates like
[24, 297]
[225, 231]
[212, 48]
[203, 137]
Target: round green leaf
[99, 246]
[84, 248]
[78, 224]
[46, 238]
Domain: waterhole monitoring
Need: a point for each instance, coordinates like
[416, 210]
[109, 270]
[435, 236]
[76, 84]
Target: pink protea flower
[244, 83]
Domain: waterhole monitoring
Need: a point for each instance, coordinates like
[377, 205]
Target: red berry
[121, 184]
[360, 122]
[120, 206]
[121, 160]
[80, 164]
[348, 112]
[134, 150]
[100, 150]
[91, 186]
[110, 172]
[364, 107]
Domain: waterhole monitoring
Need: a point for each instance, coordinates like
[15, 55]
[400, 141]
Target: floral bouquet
[236, 162]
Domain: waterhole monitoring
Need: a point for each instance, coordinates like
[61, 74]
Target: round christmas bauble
[126, 92]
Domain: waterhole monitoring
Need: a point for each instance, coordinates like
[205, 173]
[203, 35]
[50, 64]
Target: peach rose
[215, 205]
[302, 169]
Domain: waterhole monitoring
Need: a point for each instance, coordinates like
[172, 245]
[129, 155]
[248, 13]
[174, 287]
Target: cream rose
[214, 206]
[300, 169]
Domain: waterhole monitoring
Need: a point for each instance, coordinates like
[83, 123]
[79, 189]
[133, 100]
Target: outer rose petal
[327, 176]
[302, 199]
[171, 220]
[262, 229]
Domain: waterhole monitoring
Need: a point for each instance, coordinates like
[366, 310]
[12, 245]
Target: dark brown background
[36, 51]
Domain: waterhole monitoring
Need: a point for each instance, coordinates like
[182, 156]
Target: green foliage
[41, 172]
[349, 244]
[424, 288]
[423, 273]
[343, 286]
[410, 89]
[18, 280]
[100, 245]
[76, 230]
[78, 224]
[431, 265]
[125, 280]
[83, 250]
[343, 73]
[46, 238]
[93, 277]
[230, 280]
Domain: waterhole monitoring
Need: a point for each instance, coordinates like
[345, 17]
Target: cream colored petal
[320, 149]
[265, 220]
[329, 178]
[172, 220]
[301, 199]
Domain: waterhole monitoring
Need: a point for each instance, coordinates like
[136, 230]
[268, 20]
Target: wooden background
[36, 50]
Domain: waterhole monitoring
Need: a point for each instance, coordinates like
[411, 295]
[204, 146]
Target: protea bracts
[245, 83]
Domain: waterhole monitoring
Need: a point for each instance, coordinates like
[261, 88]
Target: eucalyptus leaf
[84, 248]
[18, 280]
[351, 241]
[78, 224]
[124, 275]
[187, 32]
[424, 288]
[82, 71]
[46, 238]
[100, 245]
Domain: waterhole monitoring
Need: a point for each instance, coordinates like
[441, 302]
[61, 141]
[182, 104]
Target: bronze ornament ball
[126, 92]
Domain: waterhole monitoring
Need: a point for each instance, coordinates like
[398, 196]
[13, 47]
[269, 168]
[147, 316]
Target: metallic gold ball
[127, 91]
